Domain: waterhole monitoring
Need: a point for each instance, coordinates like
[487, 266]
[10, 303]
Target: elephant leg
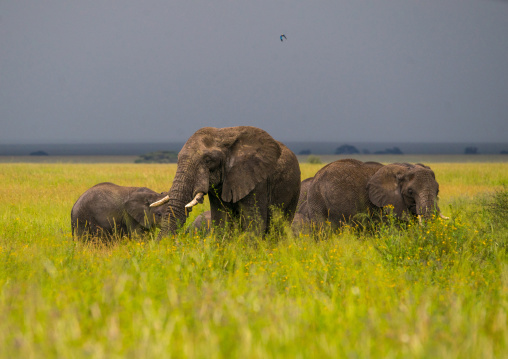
[253, 209]
[220, 212]
[316, 204]
[80, 228]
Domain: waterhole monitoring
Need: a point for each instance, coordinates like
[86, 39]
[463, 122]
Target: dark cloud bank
[393, 72]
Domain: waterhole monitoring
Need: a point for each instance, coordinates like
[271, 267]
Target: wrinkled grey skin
[107, 209]
[243, 170]
[302, 209]
[344, 188]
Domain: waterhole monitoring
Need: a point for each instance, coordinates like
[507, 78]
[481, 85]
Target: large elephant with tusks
[244, 171]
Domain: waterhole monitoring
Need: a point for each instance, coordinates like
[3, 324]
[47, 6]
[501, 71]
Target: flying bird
[283, 36]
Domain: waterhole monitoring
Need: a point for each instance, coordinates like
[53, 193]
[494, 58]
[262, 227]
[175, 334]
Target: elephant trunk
[179, 195]
[426, 206]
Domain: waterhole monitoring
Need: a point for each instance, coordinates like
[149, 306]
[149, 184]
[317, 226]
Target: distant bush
[504, 152]
[304, 152]
[346, 150]
[315, 160]
[39, 153]
[158, 157]
[471, 150]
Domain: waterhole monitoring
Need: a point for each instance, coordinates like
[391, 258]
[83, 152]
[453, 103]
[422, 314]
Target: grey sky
[143, 71]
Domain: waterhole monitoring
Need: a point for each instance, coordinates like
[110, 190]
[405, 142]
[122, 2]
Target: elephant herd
[248, 175]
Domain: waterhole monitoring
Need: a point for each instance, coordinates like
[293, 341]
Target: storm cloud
[143, 71]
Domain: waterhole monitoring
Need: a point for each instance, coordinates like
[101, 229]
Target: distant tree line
[158, 157]
[471, 150]
[351, 150]
[346, 150]
[39, 153]
[390, 151]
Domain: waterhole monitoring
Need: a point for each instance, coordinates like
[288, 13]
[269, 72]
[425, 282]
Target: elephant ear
[384, 187]
[252, 157]
[137, 204]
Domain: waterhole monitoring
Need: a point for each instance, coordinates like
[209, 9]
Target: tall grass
[398, 290]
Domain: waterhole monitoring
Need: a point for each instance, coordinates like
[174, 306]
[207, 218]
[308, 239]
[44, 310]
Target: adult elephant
[345, 188]
[108, 209]
[244, 171]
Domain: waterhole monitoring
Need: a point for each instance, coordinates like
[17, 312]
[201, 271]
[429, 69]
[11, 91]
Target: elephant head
[410, 189]
[137, 206]
[230, 161]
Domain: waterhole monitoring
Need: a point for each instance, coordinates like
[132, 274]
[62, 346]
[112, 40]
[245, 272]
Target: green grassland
[398, 290]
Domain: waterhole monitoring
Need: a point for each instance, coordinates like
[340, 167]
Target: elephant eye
[211, 162]
[410, 192]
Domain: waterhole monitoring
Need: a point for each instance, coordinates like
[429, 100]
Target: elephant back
[339, 192]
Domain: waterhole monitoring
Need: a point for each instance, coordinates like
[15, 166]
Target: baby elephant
[107, 209]
[302, 209]
[202, 223]
[344, 188]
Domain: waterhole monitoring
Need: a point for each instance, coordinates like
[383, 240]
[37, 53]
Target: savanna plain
[390, 290]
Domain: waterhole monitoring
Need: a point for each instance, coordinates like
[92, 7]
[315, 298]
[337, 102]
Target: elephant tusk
[160, 202]
[420, 219]
[443, 217]
[196, 200]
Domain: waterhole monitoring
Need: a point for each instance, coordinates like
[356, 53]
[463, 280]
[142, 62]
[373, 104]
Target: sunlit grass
[396, 290]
